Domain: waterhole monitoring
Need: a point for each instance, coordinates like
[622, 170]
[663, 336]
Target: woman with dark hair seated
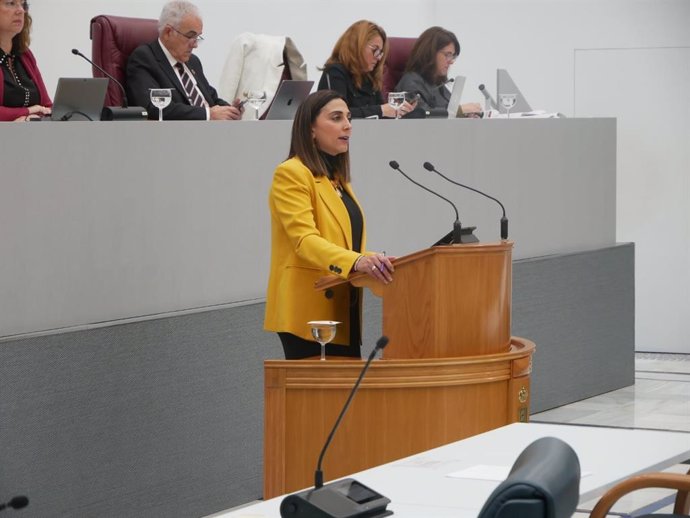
[426, 72]
[22, 92]
[355, 71]
[317, 229]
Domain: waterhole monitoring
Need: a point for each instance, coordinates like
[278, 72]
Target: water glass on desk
[160, 98]
[396, 100]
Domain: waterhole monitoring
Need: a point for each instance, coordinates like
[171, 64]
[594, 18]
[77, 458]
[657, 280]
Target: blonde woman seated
[355, 71]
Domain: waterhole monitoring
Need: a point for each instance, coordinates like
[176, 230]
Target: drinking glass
[396, 100]
[323, 332]
[160, 98]
[256, 98]
[507, 101]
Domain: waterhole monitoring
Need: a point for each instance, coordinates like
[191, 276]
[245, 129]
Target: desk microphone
[504, 220]
[18, 502]
[344, 498]
[124, 112]
[124, 94]
[488, 97]
[457, 227]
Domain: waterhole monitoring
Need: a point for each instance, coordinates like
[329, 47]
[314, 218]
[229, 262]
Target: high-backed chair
[677, 481]
[113, 38]
[543, 483]
[399, 50]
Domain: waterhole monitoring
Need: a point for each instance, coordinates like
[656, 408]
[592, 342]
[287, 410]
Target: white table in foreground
[419, 486]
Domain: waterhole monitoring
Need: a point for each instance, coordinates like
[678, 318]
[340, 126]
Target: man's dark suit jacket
[147, 67]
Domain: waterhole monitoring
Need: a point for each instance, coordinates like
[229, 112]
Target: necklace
[338, 188]
[8, 60]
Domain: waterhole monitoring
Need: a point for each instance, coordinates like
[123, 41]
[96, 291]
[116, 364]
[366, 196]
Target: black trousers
[296, 347]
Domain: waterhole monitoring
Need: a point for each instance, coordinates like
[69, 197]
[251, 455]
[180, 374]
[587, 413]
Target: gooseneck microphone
[457, 226]
[504, 220]
[122, 88]
[18, 502]
[318, 475]
[345, 497]
[124, 112]
[488, 97]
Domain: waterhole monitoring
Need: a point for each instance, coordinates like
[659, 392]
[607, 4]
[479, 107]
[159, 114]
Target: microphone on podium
[504, 220]
[124, 112]
[344, 498]
[457, 226]
[18, 502]
[458, 234]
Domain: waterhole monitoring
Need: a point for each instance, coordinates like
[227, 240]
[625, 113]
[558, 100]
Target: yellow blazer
[311, 237]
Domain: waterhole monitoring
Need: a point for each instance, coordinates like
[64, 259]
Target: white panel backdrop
[653, 176]
[537, 41]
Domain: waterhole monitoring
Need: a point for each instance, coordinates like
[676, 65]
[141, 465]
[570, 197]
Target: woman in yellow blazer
[317, 228]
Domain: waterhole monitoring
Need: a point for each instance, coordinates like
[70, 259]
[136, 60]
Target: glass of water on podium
[160, 98]
[323, 332]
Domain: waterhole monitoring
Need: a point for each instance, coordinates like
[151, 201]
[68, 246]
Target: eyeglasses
[196, 38]
[15, 4]
[377, 52]
[450, 56]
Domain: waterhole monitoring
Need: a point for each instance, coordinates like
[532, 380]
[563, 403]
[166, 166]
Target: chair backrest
[543, 483]
[113, 38]
[399, 50]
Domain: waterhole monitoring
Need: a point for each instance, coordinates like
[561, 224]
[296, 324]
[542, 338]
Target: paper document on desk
[482, 472]
[535, 114]
[488, 472]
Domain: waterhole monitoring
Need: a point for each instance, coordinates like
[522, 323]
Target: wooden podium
[451, 370]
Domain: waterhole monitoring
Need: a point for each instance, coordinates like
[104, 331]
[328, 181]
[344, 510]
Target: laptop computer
[506, 85]
[456, 94]
[79, 99]
[289, 96]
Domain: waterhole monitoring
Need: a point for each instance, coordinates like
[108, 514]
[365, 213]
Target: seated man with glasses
[426, 72]
[169, 62]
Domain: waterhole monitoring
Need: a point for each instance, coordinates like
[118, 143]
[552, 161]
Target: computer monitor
[506, 85]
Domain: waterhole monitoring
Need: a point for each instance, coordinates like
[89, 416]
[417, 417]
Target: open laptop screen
[289, 96]
[79, 98]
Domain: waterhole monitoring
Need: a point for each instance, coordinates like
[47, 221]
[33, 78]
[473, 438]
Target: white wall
[653, 183]
[534, 39]
[537, 40]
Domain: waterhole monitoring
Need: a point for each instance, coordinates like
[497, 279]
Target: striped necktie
[193, 94]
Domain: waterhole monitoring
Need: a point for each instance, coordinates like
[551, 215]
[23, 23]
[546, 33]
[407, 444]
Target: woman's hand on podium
[378, 266]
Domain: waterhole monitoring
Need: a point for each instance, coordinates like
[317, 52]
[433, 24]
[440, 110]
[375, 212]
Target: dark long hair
[423, 56]
[303, 145]
[349, 50]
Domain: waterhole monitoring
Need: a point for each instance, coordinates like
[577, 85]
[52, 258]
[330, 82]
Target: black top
[356, 219]
[363, 102]
[431, 96]
[20, 90]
